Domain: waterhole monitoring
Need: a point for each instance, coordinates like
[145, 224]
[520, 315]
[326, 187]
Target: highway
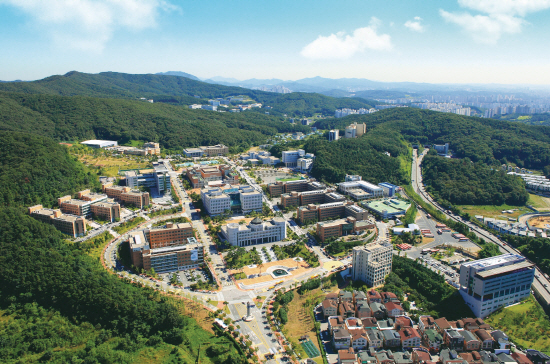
[540, 285]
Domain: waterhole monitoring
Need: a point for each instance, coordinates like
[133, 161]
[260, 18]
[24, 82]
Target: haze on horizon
[459, 41]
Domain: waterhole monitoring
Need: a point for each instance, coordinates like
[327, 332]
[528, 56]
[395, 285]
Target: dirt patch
[540, 222]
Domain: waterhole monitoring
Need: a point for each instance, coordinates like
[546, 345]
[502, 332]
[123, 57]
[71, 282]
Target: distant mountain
[179, 74]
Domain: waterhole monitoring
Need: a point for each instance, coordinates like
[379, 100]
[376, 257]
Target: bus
[439, 231]
[428, 216]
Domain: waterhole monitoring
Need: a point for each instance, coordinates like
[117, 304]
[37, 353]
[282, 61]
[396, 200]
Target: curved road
[540, 285]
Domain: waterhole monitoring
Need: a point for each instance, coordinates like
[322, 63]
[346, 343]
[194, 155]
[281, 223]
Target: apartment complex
[490, 283]
[158, 178]
[278, 188]
[360, 190]
[201, 176]
[166, 249]
[208, 151]
[371, 263]
[327, 211]
[126, 195]
[256, 232]
[355, 130]
[243, 198]
[72, 225]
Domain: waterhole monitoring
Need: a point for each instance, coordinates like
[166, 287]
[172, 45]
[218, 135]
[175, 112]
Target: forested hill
[482, 140]
[178, 90]
[77, 118]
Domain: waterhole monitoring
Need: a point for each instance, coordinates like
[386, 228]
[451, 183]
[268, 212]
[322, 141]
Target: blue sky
[451, 41]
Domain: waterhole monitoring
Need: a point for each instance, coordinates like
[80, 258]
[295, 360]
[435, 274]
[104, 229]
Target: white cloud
[415, 25]
[90, 24]
[500, 17]
[342, 45]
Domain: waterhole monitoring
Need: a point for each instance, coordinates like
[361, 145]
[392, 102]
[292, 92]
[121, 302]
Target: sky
[433, 41]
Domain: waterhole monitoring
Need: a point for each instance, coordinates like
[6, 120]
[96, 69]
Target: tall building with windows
[158, 178]
[243, 198]
[333, 135]
[371, 263]
[490, 283]
[68, 224]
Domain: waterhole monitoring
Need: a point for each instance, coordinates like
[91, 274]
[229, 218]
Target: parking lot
[188, 277]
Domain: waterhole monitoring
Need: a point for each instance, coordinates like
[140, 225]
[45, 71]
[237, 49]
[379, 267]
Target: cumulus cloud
[499, 17]
[341, 45]
[415, 25]
[90, 24]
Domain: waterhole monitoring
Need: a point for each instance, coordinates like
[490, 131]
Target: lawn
[289, 179]
[109, 166]
[494, 211]
[526, 324]
[538, 202]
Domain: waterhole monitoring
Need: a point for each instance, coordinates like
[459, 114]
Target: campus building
[148, 149]
[202, 176]
[256, 232]
[158, 178]
[100, 143]
[106, 210]
[278, 188]
[166, 249]
[69, 205]
[336, 228]
[126, 195]
[243, 198]
[361, 190]
[388, 188]
[355, 130]
[333, 135]
[490, 283]
[290, 157]
[208, 151]
[72, 225]
[371, 263]
[388, 208]
[310, 197]
[331, 210]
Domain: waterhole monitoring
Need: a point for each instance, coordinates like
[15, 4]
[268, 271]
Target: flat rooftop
[391, 206]
[495, 261]
[505, 269]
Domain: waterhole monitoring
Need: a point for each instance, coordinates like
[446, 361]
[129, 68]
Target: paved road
[540, 285]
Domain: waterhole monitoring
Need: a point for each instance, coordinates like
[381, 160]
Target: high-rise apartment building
[490, 283]
[371, 263]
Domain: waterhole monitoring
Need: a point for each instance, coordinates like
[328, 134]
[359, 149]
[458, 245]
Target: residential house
[402, 322]
[410, 338]
[448, 356]
[421, 356]
[392, 339]
[386, 324]
[471, 342]
[502, 343]
[504, 358]
[374, 296]
[442, 324]
[332, 296]
[359, 296]
[432, 340]
[471, 357]
[390, 297]
[426, 322]
[336, 322]
[366, 357]
[537, 357]
[346, 309]
[330, 308]
[362, 309]
[488, 357]
[378, 310]
[369, 323]
[453, 340]
[394, 309]
[359, 339]
[384, 357]
[346, 296]
[341, 339]
[521, 358]
[375, 339]
[402, 357]
[487, 341]
[346, 356]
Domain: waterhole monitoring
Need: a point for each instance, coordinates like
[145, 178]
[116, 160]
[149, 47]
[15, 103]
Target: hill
[57, 303]
[67, 118]
[178, 73]
[177, 90]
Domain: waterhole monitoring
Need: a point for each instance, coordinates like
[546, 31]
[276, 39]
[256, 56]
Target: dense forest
[37, 170]
[534, 119]
[57, 303]
[365, 156]
[463, 182]
[490, 141]
[178, 90]
[79, 118]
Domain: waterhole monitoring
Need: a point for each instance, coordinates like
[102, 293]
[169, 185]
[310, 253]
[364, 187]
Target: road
[540, 285]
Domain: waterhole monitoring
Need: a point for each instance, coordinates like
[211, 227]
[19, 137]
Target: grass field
[494, 211]
[109, 166]
[526, 324]
[540, 203]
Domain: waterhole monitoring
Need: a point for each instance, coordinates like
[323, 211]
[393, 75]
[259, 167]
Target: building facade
[256, 232]
[371, 263]
[290, 157]
[72, 225]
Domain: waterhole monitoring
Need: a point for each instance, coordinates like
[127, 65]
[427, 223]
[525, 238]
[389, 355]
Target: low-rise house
[346, 296]
[341, 339]
[410, 338]
[330, 308]
[378, 310]
[402, 322]
[386, 324]
[521, 358]
[336, 322]
[384, 357]
[442, 324]
[359, 339]
[346, 356]
[402, 357]
[426, 322]
[374, 296]
[502, 343]
[359, 296]
[487, 341]
[504, 358]
[369, 323]
[473, 324]
[394, 309]
[392, 339]
[389, 297]
[448, 356]
[375, 339]
[332, 296]
[432, 340]
[346, 309]
[471, 342]
[537, 357]
[453, 340]
[362, 309]
[421, 356]
[471, 357]
[366, 357]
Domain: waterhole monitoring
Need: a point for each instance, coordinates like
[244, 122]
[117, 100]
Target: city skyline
[461, 41]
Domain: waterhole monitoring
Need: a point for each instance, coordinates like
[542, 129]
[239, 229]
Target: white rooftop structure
[100, 143]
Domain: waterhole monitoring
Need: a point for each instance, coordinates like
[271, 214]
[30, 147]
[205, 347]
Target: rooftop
[505, 269]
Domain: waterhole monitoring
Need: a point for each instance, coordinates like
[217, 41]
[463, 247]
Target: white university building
[256, 232]
[371, 263]
[490, 283]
